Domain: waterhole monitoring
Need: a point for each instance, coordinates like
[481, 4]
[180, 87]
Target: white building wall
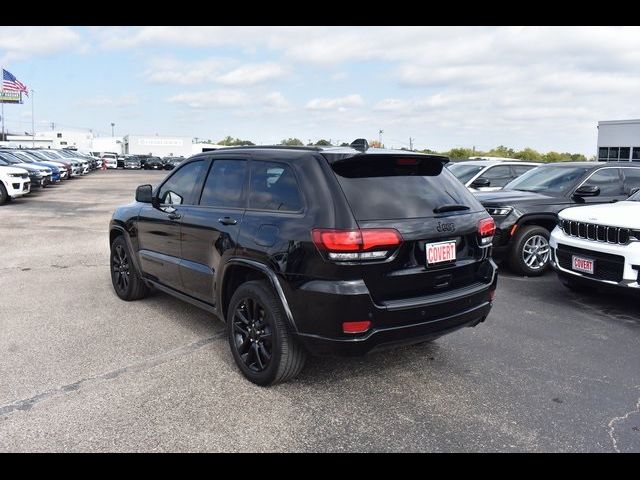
[619, 134]
[159, 146]
[107, 144]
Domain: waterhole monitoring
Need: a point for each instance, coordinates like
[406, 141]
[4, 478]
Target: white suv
[110, 159]
[489, 175]
[598, 245]
[14, 182]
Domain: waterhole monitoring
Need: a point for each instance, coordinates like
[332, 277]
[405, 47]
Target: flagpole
[2, 102]
[33, 122]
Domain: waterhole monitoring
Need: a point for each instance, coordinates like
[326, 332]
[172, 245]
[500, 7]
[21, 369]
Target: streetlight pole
[33, 122]
[112, 125]
[380, 132]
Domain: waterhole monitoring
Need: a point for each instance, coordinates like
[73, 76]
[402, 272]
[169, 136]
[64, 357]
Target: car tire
[530, 251]
[262, 346]
[4, 196]
[125, 278]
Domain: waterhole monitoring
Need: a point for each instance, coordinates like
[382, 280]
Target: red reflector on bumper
[356, 327]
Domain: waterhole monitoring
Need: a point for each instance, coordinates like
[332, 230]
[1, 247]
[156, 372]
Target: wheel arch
[547, 221]
[115, 231]
[237, 271]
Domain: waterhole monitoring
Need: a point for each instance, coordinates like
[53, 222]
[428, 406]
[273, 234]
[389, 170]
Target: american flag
[12, 84]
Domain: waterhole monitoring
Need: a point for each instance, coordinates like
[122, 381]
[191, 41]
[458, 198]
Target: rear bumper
[319, 309]
[406, 334]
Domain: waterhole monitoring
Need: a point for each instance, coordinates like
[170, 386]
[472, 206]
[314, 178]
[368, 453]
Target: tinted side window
[225, 184]
[608, 180]
[520, 169]
[179, 188]
[274, 187]
[631, 179]
[499, 176]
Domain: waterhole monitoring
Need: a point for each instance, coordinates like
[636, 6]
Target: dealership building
[619, 140]
[159, 146]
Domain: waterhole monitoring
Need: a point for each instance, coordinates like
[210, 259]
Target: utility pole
[33, 122]
[53, 126]
[380, 132]
[410, 143]
[112, 125]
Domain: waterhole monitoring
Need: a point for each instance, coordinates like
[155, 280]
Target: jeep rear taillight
[486, 230]
[357, 244]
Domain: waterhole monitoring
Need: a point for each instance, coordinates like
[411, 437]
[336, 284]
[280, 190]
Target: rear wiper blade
[450, 207]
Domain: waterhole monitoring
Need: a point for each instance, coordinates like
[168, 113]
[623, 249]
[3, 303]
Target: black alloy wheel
[124, 276]
[120, 269]
[262, 345]
[252, 334]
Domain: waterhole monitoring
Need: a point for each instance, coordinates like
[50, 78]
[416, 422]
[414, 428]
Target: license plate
[440, 252]
[585, 265]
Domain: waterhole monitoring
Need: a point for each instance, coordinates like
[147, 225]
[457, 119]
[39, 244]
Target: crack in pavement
[52, 266]
[619, 419]
[28, 403]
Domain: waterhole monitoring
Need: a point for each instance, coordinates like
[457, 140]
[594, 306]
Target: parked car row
[580, 218]
[114, 161]
[23, 170]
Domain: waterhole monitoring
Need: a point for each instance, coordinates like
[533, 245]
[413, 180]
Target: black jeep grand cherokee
[310, 250]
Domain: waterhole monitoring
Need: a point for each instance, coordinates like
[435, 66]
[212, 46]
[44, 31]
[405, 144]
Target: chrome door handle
[227, 221]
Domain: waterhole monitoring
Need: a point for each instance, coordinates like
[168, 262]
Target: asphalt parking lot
[81, 370]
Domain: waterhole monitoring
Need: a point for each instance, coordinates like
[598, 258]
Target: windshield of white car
[635, 197]
[464, 172]
[550, 179]
[25, 157]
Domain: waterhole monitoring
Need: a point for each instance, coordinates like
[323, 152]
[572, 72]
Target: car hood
[8, 170]
[510, 197]
[620, 214]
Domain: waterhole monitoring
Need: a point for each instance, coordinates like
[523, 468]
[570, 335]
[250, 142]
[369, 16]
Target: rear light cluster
[359, 244]
[486, 230]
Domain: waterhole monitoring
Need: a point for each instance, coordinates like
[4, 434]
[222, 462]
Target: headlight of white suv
[15, 175]
[499, 211]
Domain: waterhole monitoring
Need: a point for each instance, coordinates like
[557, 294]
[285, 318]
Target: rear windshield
[399, 187]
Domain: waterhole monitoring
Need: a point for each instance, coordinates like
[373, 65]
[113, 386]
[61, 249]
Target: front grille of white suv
[597, 233]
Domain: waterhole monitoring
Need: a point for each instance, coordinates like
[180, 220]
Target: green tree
[501, 151]
[292, 142]
[323, 143]
[462, 153]
[529, 154]
[234, 142]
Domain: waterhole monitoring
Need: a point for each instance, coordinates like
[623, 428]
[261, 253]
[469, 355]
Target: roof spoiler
[360, 144]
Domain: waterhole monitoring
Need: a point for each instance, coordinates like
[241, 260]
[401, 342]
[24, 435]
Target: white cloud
[275, 101]
[119, 102]
[212, 98]
[252, 74]
[19, 43]
[171, 70]
[224, 71]
[338, 103]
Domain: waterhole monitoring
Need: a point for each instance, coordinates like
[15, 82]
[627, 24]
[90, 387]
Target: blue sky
[443, 86]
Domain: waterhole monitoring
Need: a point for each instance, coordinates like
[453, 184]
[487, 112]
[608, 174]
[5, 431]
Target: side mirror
[481, 183]
[144, 194]
[634, 191]
[587, 191]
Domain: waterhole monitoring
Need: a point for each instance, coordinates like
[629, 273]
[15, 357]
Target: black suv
[310, 250]
[526, 210]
